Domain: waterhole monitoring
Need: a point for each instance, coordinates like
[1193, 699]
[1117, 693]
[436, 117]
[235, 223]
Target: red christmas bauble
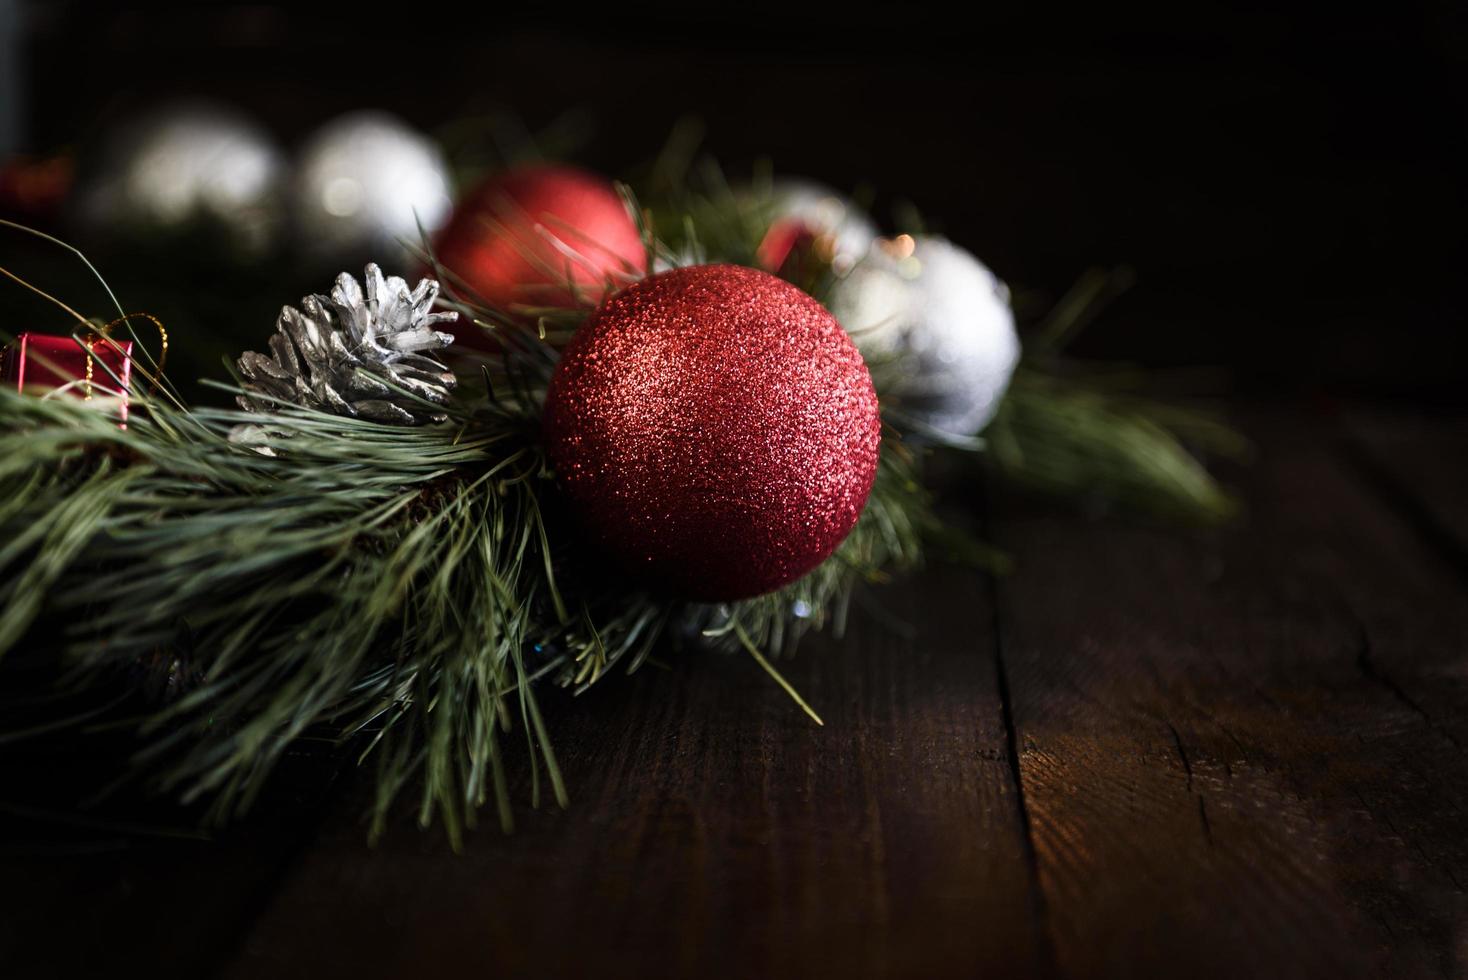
[715, 430]
[526, 236]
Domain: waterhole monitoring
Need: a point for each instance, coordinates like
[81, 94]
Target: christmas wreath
[697, 422]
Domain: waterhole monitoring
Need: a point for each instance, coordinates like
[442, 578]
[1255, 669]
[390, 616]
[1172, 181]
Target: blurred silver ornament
[941, 322]
[183, 164]
[842, 229]
[365, 183]
[355, 353]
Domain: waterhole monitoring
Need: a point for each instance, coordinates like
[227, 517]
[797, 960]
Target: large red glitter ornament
[715, 429]
[526, 236]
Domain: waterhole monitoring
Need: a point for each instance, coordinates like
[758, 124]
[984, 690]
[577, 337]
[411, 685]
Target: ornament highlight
[945, 320]
[364, 184]
[715, 430]
[349, 353]
[542, 236]
[184, 164]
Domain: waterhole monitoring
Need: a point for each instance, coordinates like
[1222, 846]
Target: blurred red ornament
[715, 429]
[784, 237]
[35, 186]
[97, 371]
[526, 237]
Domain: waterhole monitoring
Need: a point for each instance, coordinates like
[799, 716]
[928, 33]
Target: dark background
[1287, 186]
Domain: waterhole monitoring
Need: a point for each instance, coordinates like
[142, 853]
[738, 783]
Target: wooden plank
[715, 831]
[132, 882]
[1417, 465]
[1240, 756]
[1223, 768]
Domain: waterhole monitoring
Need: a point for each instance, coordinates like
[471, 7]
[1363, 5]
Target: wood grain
[1145, 753]
[715, 831]
[1227, 770]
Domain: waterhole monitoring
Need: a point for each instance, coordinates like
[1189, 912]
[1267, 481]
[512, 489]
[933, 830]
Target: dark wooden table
[1145, 753]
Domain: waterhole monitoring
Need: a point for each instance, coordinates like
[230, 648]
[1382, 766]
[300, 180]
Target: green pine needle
[402, 590]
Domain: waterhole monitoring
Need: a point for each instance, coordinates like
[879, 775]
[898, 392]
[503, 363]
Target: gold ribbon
[105, 332]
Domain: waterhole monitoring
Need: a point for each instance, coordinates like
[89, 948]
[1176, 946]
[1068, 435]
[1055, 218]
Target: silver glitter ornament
[846, 231]
[942, 320]
[182, 164]
[365, 183]
[350, 352]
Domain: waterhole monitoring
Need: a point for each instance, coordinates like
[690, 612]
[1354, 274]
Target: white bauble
[183, 164]
[942, 323]
[365, 183]
[827, 213]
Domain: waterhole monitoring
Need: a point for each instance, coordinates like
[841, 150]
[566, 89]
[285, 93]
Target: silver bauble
[941, 324]
[365, 184]
[829, 214]
[182, 164]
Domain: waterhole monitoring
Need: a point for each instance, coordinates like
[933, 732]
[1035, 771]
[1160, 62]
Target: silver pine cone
[355, 354]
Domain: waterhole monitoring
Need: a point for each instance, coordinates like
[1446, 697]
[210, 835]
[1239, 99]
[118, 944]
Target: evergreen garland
[403, 589]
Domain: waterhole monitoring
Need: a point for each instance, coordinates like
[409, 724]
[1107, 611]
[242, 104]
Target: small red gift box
[97, 370]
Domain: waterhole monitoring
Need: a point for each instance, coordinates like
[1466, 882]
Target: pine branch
[393, 585]
[404, 589]
[1076, 438]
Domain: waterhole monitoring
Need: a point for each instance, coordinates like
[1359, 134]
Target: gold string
[155, 379]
